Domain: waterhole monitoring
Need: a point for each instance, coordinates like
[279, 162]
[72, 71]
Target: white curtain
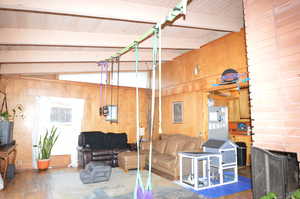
[68, 130]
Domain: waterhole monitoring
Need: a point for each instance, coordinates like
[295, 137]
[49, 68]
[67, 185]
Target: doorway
[64, 113]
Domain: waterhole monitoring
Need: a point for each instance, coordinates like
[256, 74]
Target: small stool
[128, 160]
[95, 172]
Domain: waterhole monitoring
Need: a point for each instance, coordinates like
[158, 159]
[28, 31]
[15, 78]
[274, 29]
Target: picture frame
[177, 112]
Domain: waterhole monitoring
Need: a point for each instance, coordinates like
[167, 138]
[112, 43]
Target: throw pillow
[173, 147]
[159, 146]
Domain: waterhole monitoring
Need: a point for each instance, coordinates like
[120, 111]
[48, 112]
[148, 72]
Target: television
[6, 132]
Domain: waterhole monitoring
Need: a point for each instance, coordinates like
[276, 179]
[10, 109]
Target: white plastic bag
[1, 182]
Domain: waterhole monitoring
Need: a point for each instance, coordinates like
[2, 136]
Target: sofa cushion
[165, 136]
[167, 161]
[191, 145]
[156, 157]
[171, 136]
[173, 147]
[159, 146]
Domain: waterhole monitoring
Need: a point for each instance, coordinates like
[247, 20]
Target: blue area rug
[243, 184]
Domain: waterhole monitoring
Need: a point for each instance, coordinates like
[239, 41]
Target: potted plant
[4, 116]
[296, 194]
[45, 146]
[7, 121]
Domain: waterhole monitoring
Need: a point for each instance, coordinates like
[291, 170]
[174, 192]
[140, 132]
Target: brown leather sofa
[165, 160]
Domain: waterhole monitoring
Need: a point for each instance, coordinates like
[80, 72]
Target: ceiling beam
[15, 36]
[55, 68]
[59, 55]
[100, 47]
[121, 10]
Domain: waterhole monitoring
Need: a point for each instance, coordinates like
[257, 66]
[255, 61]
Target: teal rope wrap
[154, 60]
[138, 181]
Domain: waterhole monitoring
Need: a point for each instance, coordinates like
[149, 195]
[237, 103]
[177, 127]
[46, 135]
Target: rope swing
[118, 85]
[104, 109]
[159, 82]
[139, 188]
[141, 192]
[111, 87]
[103, 67]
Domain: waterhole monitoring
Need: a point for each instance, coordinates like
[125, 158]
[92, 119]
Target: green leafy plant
[17, 111]
[5, 115]
[270, 195]
[46, 143]
[296, 194]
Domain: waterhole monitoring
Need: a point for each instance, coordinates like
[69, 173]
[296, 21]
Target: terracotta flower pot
[43, 165]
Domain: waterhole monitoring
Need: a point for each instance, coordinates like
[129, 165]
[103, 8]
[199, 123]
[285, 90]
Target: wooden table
[7, 154]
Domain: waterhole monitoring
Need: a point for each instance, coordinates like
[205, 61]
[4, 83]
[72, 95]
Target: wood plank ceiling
[58, 36]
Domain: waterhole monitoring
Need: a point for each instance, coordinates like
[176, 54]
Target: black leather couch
[100, 146]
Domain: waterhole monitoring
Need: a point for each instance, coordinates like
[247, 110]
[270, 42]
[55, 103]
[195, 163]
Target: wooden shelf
[222, 97]
[227, 87]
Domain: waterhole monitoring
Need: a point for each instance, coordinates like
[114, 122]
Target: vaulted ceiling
[61, 36]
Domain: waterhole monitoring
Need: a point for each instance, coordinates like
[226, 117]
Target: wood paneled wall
[180, 84]
[212, 59]
[26, 90]
[273, 35]
[193, 112]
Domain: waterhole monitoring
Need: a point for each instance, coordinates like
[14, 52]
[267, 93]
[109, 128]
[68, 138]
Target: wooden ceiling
[60, 36]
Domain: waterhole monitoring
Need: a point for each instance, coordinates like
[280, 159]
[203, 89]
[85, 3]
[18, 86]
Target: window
[61, 115]
[177, 112]
[125, 78]
[129, 79]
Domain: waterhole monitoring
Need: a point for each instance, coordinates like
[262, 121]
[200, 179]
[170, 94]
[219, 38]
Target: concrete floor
[65, 184]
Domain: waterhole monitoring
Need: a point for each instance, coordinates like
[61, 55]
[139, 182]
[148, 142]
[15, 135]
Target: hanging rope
[118, 88]
[102, 66]
[106, 82]
[111, 89]
[4, 104]
[100, 109]
[111, 81]
[140, 192]
[139, 188]
[105, 108]
[159, 81]
[154, 60]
